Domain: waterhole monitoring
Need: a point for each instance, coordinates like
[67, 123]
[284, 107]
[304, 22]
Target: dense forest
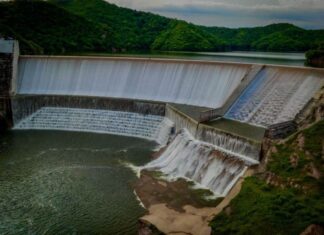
[64, 26]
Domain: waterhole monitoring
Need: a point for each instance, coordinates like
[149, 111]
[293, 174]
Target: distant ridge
[71, 26]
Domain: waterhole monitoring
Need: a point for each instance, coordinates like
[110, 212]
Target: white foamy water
[150, 127]
[199, 84]
[200, 162]
[275, 96]
[233, 144]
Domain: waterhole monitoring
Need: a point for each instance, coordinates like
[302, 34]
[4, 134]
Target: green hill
[44, 28]
[64, 26]
[131, 29]
[186, 37]
[275, 37]
[140, 30]
[287, 197]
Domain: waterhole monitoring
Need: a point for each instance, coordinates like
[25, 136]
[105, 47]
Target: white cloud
[235, 13]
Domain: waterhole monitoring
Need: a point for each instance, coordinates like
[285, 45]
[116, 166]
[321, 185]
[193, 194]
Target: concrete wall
[181, 120]
[9, 54]
[5, 80]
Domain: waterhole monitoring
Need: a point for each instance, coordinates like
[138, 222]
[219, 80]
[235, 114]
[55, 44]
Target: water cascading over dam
[232, 144]
[150, 127]
[184, 82]
[235, 145]
[212, 157]
[201, 162]
[276, 95]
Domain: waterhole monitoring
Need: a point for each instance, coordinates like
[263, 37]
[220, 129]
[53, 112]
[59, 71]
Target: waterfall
[276, 95]
[180, 120]
[182, 82]
[150, 127]
[233, 144]
[201, 162]
[162, 134]
[23, 106]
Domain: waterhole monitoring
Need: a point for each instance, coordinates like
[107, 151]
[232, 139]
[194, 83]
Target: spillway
[122, 95]
[150, 127]
[201, 162]
[276, 95]
[230, 143]
[183, 82]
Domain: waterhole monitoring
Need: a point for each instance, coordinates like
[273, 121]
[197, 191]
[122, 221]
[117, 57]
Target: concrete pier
[9, 52]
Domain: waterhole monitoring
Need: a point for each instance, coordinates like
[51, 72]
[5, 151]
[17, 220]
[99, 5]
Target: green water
[69, 183]
[289, 59]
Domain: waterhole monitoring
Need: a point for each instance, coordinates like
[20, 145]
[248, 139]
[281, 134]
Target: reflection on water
[69, 183]
[290, 59]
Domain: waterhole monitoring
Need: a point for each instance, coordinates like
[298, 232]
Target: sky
[235, 13]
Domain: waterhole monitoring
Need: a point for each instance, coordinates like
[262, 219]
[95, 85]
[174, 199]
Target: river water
[69, 183]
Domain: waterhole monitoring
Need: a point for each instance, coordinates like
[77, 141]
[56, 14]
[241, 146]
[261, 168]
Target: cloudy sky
[235, 13]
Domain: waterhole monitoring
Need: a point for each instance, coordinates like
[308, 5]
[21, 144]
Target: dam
[206, 85]
[210, 117]
[151, 98]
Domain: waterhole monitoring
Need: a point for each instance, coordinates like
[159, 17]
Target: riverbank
[175, 209]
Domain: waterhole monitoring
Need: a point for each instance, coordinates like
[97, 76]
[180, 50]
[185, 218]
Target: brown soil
[172, 216]
[152, 190]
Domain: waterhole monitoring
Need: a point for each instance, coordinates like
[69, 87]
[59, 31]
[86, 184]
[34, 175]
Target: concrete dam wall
[183, 82]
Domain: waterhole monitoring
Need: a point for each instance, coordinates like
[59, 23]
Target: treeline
[44, 28]
[63, 26]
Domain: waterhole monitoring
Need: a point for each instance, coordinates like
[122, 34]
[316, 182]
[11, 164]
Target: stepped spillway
[182, 82]
[230, 143]
[150, 127]
[275, 96]
[200, 162]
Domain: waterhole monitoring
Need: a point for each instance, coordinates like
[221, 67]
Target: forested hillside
[64, 26]
[130, 29]
[44, 28]
[275, 37]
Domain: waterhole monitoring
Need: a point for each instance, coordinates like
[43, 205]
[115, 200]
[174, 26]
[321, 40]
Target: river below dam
[56, 182]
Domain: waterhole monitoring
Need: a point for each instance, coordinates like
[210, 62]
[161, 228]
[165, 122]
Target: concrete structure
[71, 81]
[9, 53]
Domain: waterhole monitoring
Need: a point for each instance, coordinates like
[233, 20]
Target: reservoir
[56, 182]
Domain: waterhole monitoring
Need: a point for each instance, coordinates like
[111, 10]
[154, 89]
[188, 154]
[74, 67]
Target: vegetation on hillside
[275, 37]
[139, 30]
[181, 36]
[61, 26]
[44, 28]
[285, 199]
[131, 30]
[315, 58]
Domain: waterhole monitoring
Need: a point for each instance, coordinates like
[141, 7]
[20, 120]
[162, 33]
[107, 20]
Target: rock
[228, 210]
[312, 112]
[274, 149]
[146, 228]
[313, 171]
[313, 229]
[300, 141]
[294, 160]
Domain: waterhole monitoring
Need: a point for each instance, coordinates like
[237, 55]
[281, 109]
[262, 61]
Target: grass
[263, 209]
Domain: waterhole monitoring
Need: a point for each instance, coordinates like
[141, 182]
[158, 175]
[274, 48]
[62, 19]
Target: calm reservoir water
[69, 183]
[277, 58]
